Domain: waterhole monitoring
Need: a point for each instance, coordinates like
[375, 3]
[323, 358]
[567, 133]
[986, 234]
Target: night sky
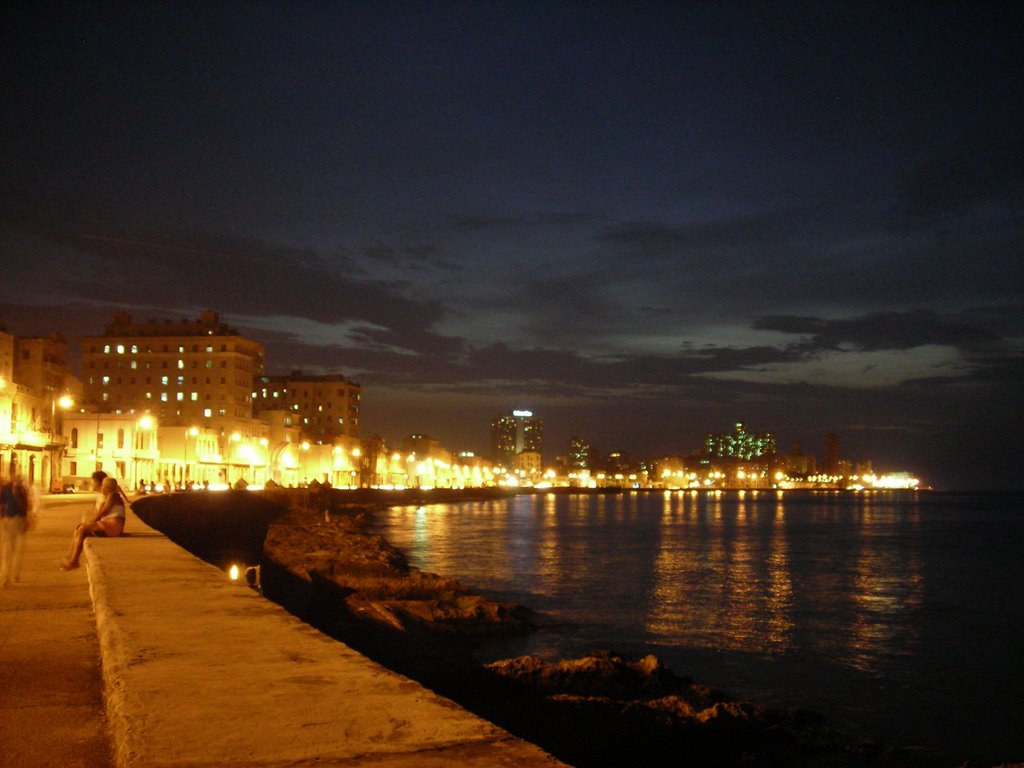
[644, 221]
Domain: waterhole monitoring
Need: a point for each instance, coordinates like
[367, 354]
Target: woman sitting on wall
[107, 519]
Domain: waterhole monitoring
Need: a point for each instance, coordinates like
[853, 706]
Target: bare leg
[81, 533]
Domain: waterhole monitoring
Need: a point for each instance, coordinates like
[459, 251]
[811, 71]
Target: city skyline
[201, 386]
[653, 222]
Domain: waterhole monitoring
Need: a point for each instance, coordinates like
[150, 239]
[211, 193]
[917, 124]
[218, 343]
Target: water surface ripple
[897, 615]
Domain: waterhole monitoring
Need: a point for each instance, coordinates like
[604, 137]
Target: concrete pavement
[202, 671]
[51, 686]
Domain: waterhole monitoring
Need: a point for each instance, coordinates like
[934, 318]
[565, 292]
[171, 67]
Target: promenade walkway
[51, 685]
[202, 671]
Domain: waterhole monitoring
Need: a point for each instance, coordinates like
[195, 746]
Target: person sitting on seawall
[15, 506]
[107, 520]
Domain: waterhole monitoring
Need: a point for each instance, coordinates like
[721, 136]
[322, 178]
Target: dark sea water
[899, 616]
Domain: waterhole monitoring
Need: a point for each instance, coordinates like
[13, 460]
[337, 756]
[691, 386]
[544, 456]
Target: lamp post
[143, 425]
[57, 406]
[233, 454]
[264, 455]
[356, 454]
[96, 443]
[192, 432]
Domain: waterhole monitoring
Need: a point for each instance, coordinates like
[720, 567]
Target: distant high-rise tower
[514, 433]
[579, 453]
[831, 454]
[740, 444]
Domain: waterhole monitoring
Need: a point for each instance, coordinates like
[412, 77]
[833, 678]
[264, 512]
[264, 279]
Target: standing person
[107, 519]
[16, 501]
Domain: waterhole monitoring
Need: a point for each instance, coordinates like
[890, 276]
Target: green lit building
[740, 444]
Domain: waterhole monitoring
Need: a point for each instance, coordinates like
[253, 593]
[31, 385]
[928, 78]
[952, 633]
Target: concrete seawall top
[203, 671]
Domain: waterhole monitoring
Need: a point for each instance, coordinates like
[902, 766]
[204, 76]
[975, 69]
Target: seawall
[202, 671]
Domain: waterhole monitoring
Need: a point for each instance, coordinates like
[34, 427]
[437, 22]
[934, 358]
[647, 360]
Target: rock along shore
[319, 560]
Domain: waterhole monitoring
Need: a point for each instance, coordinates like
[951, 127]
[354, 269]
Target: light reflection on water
[862, 606]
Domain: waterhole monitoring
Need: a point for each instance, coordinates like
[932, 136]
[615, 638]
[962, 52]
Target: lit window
[163, 397]
[135, 348]
[106, 380]
[120, 349]
[163, 380]
[180, 396]
[207, 412]
[149, 395]
[181, 364]
[195, 396]
[106, 349]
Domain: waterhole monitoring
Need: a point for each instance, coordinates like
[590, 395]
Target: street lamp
[246, 452]
[356, 480]
[264, 455]
[143, 425]
[192, 432]
[57, 406]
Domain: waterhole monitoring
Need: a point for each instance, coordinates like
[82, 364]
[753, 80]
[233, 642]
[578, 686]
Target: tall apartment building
[323, 407]
[41, 364]
[189, 373]
[513, 433]
[832, 460]
[6, 357]
[34, 380]
[740, 444]
[579, 453]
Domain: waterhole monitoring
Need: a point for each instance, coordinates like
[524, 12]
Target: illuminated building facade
[35, 388]
[579, 453]
[185, 373]
[503, 440]
[800, 464]
[513, 433]
[6, 400]
[323, 407]
[740, 444]
[122, 445]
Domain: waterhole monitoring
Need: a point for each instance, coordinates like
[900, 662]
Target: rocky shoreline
[602, 710]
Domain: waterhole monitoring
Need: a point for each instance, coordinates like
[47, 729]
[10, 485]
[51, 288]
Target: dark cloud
[411, 257]
[474, 223]
[177, 272]
[889, 330]
[703, 243]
